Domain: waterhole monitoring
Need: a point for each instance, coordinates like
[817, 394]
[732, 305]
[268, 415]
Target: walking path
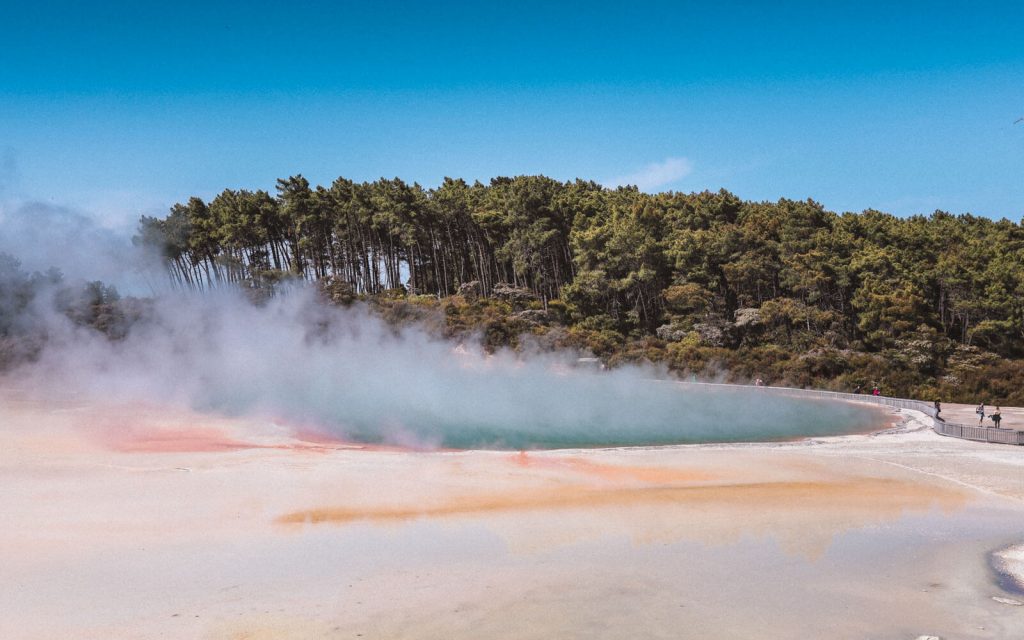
[1013, 417]
[957, 420]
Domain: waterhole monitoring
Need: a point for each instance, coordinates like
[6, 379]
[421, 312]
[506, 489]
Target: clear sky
[124, 108]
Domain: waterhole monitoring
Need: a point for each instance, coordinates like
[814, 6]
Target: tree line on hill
[630, 259]
[705, 283]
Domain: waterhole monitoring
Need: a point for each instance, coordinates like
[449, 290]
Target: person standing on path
[997, 417]
[981, 413]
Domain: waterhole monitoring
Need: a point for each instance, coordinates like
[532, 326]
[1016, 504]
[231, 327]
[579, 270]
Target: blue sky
[124, 108]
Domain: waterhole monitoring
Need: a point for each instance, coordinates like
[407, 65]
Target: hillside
[704, 283]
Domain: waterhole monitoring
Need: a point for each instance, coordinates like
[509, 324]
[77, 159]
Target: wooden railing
[940, 426]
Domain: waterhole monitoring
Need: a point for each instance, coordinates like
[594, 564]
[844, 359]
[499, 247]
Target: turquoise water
[655, 415]
[464, 410]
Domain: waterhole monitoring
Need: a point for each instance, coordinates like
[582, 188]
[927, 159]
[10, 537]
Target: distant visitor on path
[981, 413]
[938, 408]
[875, 391]
[759, 382]
[997, 417]
[857, 389]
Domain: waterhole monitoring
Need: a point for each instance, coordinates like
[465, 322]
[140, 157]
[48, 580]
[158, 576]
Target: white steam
[345, 371]
[43, 236]
[301, 362]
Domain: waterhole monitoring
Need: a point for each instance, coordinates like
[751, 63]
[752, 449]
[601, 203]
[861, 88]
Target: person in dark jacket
[997, 417]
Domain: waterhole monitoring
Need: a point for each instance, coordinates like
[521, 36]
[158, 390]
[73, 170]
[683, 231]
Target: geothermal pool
[518, 412]
[350, 376]
[586, 411]
[142, 520]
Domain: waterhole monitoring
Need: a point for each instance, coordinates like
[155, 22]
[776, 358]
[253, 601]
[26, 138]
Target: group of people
[875, 391]
[996, 415]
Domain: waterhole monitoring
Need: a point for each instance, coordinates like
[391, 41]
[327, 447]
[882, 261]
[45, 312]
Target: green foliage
[689, 298]
[750, 289]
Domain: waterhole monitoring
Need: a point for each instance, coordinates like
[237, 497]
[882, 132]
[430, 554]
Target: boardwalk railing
[940, 426]
[984, 434]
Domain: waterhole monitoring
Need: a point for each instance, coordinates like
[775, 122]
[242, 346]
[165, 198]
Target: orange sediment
[879, 495]
[611, 472]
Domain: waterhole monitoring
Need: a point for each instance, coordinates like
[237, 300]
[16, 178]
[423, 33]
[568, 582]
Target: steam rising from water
[346, 372]
[43, 236]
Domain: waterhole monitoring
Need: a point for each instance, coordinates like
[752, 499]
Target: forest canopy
[705, 283]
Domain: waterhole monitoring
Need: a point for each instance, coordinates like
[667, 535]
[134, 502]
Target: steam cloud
[346, 372]
[299, 361]
[43, 236]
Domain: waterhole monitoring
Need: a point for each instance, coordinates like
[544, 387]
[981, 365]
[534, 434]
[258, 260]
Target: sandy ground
[143, 522]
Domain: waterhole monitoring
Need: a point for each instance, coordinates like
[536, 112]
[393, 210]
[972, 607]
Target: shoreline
[410, 544]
